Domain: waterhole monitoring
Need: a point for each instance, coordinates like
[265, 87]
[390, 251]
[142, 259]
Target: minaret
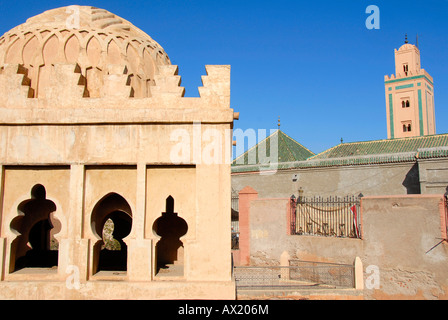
[409, 96]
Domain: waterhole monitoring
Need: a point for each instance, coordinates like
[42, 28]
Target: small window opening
[405, 69]
[170, 249]
[407, 127]
[111, 221]
[113, 254]
[35, 246]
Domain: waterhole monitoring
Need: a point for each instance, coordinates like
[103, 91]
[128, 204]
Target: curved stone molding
[102, 39]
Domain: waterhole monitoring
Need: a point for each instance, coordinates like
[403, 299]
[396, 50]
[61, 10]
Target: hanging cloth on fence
[355, 220]
[305, 217]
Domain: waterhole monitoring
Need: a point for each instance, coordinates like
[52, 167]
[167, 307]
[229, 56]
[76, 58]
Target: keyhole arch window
[36, 226]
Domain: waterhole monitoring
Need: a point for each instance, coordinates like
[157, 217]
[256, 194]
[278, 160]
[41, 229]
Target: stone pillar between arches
[73, 250]
[139, 249]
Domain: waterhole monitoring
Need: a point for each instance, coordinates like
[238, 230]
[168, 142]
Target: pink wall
[246, 195]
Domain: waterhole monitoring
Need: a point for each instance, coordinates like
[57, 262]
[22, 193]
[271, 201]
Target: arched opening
[407, 127]
[111, 221]
[169, 249]
[35, 245]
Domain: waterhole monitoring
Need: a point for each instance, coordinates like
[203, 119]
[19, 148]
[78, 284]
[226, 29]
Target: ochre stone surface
[92, 114]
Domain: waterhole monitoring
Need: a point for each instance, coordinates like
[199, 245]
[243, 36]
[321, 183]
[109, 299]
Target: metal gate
[298, 275]
[329, 217]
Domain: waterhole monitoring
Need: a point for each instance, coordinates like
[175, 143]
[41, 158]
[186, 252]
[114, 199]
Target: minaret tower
[409, 96]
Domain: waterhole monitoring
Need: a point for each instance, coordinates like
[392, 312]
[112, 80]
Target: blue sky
[290, 59]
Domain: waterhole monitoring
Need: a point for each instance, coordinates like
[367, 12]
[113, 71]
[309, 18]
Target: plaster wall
[96, 113]
[142, 154]
[401, 236]
[381, 179]
[433, 176]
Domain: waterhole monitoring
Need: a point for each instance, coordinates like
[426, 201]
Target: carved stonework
[101, 39]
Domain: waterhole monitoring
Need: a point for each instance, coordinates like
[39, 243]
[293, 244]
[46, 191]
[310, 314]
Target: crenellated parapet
[67, 98]
[410, 73]
[14, 84]
[85, 58]
[167, 83]
[216, 86]
[105, 70]
[66, 78]
[117, 82]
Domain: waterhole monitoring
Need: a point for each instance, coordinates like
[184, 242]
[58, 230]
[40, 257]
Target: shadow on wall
[35, 245]
[170, 227]
[412, 181]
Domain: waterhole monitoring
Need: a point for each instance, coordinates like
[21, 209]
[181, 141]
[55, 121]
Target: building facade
[412, 160]
[415, 165]
[96, 130]
[380, 203]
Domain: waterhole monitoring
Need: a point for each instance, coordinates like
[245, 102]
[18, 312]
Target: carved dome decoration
[407, 46]
[106, 50]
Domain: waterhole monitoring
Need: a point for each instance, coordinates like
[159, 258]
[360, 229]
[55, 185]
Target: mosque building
[362, 205]
[412, 160]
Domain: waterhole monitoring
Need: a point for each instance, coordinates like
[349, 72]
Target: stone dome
[99, 43]
[406, 46]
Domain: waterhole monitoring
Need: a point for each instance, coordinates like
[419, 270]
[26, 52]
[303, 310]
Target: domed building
[113, 184]
[101, 45]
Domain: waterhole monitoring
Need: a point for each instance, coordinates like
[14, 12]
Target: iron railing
[298, 275]
[330, 217]
[235, 220]
[235, 201]
[338, 275]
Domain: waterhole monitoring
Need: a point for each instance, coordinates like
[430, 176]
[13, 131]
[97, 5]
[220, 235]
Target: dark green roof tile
[388, 146]
[288, 150]
[355, 153]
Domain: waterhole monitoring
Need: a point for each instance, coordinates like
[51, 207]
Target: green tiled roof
[389, 146]
[288, 150]
[430, 153]
[368, 153]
